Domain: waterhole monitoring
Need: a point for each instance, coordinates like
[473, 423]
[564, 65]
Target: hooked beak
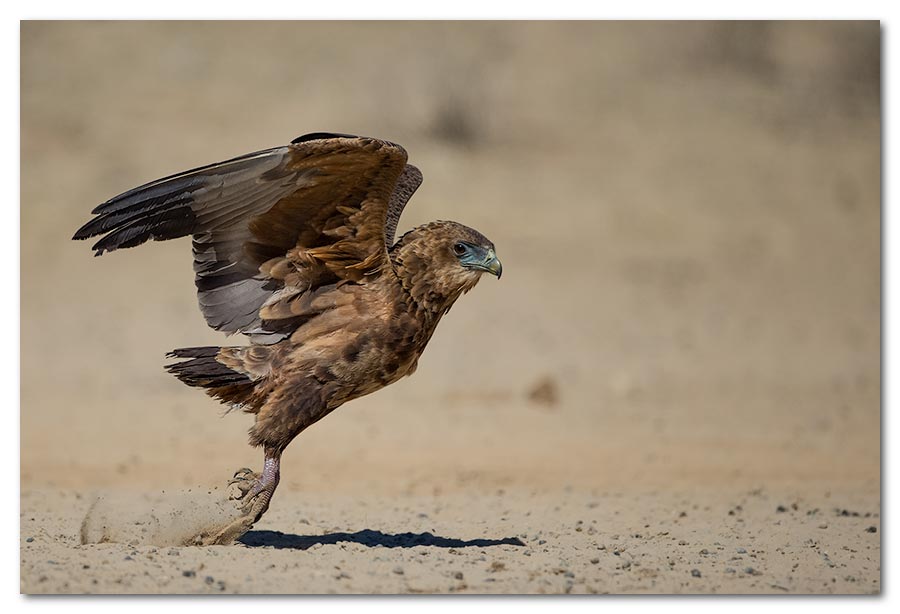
[491, 264]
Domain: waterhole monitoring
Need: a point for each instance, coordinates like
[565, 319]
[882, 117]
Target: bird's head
[441, 260]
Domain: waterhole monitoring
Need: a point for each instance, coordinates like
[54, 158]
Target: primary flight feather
[294, 247]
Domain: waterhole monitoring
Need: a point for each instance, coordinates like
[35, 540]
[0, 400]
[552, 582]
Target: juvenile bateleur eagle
[294, 247]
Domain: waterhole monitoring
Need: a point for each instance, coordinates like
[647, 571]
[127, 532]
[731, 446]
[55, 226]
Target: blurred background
[688, 215]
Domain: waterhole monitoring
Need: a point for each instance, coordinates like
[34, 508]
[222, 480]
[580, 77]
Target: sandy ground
[568, 541]
[674, 388]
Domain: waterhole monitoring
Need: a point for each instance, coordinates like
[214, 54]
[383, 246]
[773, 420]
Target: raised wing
[409, 182]
[268, 226]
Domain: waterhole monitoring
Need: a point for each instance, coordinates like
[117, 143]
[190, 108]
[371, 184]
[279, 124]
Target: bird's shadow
[369, 538]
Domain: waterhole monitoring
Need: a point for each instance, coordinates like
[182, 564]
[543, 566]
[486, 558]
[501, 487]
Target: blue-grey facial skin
[478, 257]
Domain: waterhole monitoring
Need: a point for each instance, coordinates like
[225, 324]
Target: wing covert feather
[316, 212]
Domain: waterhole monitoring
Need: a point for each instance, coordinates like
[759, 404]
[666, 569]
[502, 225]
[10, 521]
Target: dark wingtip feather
[141, 221]
[317, 136]
[87, 231]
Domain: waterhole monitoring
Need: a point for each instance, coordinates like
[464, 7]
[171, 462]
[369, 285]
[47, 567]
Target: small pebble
[872, 530]
[695, 573]
[189, 573]
[398, 571]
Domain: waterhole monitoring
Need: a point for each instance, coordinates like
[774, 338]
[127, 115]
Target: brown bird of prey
[294, 247]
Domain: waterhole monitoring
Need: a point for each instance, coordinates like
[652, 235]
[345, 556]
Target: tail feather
[203, 370]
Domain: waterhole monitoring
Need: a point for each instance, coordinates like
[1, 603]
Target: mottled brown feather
[319, 206]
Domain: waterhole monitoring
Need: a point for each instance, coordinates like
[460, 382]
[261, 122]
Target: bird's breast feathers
[364, 342]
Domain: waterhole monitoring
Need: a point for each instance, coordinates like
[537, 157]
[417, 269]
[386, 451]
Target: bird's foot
[242, 482]
[253, 492]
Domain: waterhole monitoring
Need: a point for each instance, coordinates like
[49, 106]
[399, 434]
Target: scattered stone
[695, 573]
[742, 551]
[458, 575]
[594, 561]
[544, 392]
[781, 509]
[752, 572]
[398, 570]
[29, 539]
[872, 529]
[189, 573]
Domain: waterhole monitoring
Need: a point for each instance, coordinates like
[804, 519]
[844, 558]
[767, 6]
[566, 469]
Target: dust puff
[184, 518]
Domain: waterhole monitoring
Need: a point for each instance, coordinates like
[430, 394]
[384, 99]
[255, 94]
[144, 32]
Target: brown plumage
[294, 247]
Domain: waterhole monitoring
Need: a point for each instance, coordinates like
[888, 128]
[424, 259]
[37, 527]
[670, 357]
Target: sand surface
[516, 541]
[674, 388]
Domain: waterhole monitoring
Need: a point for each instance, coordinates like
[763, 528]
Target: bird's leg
[256, 489]
[254, 494]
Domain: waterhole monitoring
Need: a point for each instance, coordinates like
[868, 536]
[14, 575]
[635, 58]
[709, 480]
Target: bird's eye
[459, 249]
